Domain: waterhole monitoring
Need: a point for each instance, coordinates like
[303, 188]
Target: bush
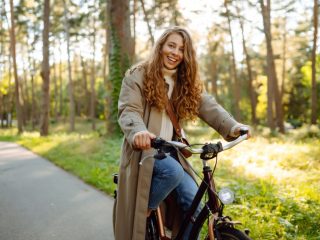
[306, 131]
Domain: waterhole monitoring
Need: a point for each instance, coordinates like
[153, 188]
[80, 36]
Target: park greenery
[68, 58]
[275, 178]
[61, 70]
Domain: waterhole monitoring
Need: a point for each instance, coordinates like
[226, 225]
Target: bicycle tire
[230, 233]
[221, 232]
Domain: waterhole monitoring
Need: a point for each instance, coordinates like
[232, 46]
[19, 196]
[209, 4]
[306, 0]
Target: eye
[171, 45]
[181, 50]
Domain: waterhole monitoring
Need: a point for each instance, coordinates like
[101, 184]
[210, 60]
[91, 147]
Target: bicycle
[211, 219]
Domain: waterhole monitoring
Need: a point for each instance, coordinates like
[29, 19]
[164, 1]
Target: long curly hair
[188, 88]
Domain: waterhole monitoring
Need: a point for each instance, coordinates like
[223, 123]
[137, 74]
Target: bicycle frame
[211, 206]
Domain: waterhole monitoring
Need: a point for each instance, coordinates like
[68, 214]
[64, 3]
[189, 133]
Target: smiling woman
[169, 77]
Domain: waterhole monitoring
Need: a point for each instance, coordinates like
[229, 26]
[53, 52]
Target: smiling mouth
[172, 59]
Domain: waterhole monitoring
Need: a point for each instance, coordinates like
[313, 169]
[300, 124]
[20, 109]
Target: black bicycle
[210, 222]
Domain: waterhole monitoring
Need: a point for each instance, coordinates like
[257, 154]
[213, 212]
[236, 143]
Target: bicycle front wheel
[230, 233]
[221, 232]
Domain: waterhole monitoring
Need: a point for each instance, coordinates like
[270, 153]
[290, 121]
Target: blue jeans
[169, 176]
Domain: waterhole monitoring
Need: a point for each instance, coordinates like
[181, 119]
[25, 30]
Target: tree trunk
[107, 87]
[85, 86]
[120, 54]
[314, 97]
[10, 98]
[27, 105]
[2, 43]
[55, 84]
[146, 19]
[45, 72]
[272, 76]
[33, 102]
[60, 81]
[32, 72]
[22, 101]
[252, 95]
[284, 57]
[135, 10]
[70, 83]
[214, 87]
[15, 71]
[235, 86]
[92, 80]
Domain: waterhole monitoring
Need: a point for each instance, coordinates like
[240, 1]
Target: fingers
[243, 128]
[142, 140]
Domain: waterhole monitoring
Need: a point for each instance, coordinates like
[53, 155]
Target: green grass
[276, 180]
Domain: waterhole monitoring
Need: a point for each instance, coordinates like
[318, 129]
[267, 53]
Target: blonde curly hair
[188, 88]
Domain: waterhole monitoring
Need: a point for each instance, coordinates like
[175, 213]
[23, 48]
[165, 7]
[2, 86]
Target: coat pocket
[127, 155]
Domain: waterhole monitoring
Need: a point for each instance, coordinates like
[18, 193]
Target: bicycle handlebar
[225, 146]
[207, 151]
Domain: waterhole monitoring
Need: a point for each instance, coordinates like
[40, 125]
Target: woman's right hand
[142, 140]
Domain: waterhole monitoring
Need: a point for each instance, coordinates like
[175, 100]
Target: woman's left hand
[241, 128]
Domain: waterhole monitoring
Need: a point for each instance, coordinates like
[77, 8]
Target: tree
[273, 89]
[236, 86]
[5, 57]
[253, 101]
[70, 83]
[15, 71]
[120, 54]
[45, 72]
[146, 19]
[313, 59]
[93, 73]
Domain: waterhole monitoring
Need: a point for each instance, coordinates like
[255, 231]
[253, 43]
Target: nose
[175, 51]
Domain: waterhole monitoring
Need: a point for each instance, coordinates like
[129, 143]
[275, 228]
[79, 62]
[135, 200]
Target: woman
[170, 70]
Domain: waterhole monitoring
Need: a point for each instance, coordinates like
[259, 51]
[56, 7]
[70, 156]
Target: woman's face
[172, 51]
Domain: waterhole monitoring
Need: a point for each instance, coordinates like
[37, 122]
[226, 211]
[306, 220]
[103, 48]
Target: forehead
[175, 38]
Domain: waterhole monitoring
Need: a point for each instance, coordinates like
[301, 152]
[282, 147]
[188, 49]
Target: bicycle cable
[193, 170]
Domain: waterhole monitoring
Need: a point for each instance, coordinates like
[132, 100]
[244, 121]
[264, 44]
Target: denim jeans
[169, 176]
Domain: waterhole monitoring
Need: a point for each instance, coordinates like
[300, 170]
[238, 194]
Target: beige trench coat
[134, 182]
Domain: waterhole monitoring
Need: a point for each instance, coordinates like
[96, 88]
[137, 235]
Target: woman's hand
[238, 130]
[142, 140]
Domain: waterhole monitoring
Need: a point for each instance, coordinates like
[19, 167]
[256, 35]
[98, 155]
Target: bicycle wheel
[221, 232]
[230, 233]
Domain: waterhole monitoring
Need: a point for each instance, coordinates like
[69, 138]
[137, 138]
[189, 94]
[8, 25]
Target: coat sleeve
[216, 116]
[131, 107]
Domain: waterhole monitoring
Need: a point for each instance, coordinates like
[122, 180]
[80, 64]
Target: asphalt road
[39, 201]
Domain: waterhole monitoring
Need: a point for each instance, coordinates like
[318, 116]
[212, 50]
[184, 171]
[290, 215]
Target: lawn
[276, 179]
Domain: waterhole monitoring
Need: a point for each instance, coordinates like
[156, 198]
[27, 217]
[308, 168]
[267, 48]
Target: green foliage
[262, 103]
[276, 180]
[306, 132]
[117, 64]
[300, 94]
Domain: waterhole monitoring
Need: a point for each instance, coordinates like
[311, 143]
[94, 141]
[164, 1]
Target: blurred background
[258, 58]
[62, 64]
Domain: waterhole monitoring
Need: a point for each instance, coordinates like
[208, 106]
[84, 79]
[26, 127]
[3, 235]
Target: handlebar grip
[244, 131]
[157, 142]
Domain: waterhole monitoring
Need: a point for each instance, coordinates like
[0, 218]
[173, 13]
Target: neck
[168, 72]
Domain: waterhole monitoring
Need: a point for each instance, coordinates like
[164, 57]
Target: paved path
[39, 201]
